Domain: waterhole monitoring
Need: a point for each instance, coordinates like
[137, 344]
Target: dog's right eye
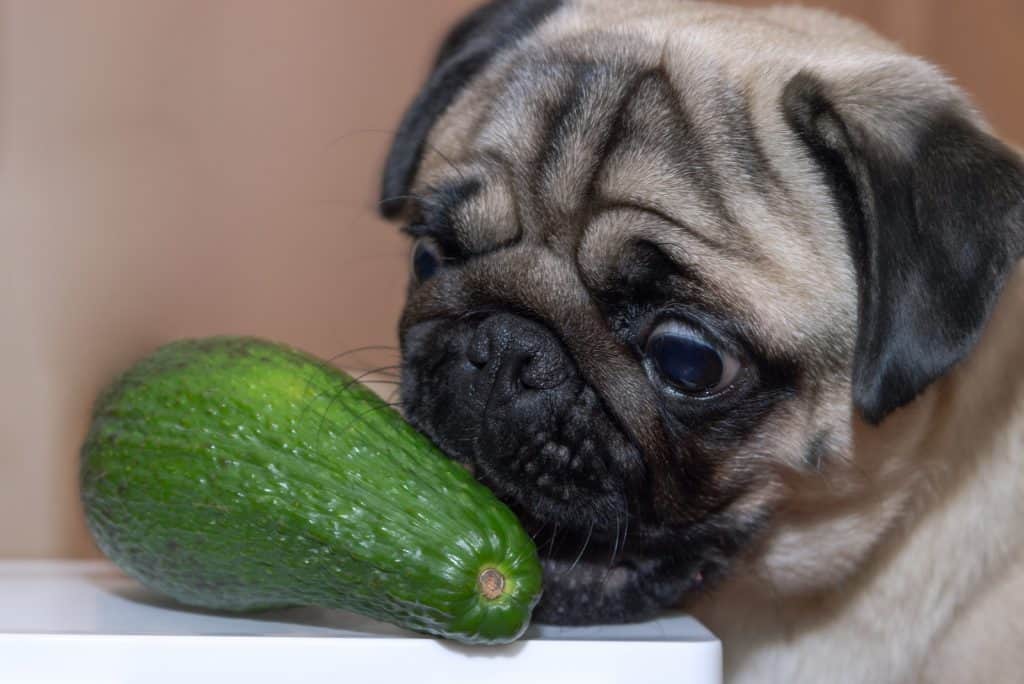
[426, 258]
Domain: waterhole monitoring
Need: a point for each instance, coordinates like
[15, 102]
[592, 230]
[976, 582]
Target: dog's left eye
[426, 258]
[687, 361]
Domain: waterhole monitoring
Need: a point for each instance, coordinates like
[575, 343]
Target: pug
[726, 305]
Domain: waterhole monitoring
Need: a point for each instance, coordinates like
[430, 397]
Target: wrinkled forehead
[586, 146]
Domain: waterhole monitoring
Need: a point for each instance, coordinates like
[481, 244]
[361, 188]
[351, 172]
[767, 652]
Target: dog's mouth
[590, 579]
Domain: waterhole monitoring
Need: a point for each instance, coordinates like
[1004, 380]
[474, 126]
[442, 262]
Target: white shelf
[87, 622]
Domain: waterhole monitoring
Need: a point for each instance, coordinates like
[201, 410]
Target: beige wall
[186, 167]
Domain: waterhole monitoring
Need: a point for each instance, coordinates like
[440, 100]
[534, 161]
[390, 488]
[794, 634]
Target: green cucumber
[237, 474]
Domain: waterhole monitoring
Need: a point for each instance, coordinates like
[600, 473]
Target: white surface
[86, 622]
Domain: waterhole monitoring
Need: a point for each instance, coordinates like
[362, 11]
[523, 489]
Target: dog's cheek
[424, 392]
[838, 487]
[807, 554]
[809, 434]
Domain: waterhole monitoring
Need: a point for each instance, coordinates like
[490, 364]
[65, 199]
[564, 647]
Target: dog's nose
[520, 352]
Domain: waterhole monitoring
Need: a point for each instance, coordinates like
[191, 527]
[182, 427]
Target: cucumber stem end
[491, 583]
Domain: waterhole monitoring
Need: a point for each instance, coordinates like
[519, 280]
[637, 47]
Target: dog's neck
[867, 570]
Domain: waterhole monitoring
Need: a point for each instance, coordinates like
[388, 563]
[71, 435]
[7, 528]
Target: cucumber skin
[237, 474]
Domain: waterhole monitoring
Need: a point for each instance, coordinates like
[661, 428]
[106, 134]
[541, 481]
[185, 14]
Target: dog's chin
[602, 578]
[600, 585]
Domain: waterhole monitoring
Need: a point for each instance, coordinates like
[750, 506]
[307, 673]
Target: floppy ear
[463, 54]
[934, 211]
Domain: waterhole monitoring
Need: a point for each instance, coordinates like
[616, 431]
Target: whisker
[449, 161]
[551, 542]
[625, 533]
[393, 198]
[353, 419]
[335, 397]
[384, 381]
[389, 372]
[582, 550]
[331, 362]
[369, 347]
[615, 548]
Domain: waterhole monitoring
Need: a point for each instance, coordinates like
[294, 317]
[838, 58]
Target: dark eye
[687, 361]
[426, 259]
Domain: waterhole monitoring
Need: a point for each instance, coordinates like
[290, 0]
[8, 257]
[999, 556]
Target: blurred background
[176, 168]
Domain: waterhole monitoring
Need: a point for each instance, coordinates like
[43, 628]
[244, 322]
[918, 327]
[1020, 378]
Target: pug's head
[666, 255]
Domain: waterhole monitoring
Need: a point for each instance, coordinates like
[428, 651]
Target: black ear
[934, 210]
[463, 54]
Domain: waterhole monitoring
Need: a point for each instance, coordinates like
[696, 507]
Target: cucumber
[237, 474]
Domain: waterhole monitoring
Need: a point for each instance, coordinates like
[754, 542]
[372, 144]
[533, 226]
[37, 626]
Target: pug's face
[663, 255]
